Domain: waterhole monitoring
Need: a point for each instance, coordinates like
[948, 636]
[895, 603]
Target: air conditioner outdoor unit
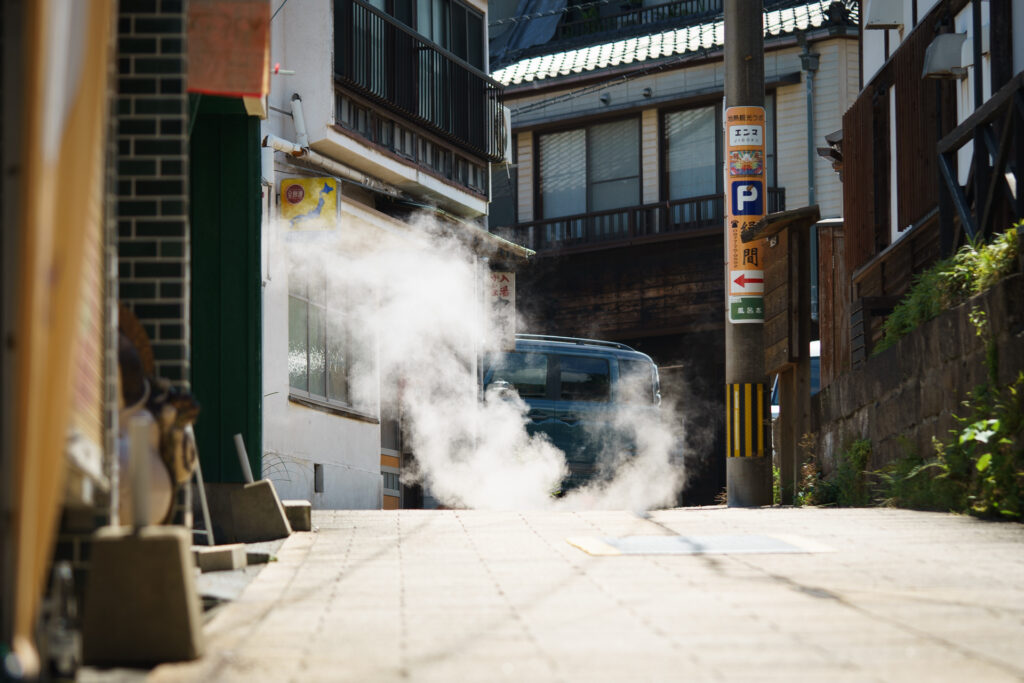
[883, 14]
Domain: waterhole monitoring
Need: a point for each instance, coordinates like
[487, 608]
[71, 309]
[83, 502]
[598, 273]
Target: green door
[226, 286]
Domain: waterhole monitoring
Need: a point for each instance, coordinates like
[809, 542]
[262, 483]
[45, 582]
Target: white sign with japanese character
[501, 298]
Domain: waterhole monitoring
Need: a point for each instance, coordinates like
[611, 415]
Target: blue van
[577, 390]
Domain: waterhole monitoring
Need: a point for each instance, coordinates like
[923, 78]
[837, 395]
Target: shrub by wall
[908, 394]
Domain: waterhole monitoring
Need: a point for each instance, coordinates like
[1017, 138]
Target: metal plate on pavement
[696, 545]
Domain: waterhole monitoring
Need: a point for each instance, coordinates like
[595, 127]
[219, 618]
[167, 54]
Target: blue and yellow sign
[309, 203]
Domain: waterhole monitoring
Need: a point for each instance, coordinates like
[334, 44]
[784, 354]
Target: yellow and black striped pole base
[748, 445]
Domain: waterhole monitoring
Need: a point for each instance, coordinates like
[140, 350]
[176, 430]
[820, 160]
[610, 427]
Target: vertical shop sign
[501, 296]
[746, 204]
[229, 47]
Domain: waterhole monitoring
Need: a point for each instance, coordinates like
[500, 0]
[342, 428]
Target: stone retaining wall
[909, 393]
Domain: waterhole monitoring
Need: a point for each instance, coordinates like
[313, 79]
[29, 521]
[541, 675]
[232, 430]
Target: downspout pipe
[301, 150]
[809, 63]
[300, 122]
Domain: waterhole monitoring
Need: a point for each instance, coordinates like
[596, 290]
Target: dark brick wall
[152, 177]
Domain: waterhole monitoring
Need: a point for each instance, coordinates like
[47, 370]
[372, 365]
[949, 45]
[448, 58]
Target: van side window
[584, 379]
[527, 372]
[636, 381]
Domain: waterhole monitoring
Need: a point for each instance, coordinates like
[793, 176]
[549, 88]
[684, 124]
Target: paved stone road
[502, 596]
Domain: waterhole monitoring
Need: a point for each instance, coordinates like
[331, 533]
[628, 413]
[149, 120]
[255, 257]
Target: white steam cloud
[414, 306]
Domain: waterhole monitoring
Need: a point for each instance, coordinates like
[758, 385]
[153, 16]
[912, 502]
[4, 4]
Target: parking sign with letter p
[747, 198]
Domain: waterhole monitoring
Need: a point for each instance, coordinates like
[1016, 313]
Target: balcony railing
[578, 23]
[386, 61]
[630, 223]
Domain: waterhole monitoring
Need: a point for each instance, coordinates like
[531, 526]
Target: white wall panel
[649, 155]
[525, 171]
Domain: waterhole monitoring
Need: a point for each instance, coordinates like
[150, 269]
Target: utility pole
[748, 442]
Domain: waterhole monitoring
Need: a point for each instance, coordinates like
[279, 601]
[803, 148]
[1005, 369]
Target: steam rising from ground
[414, 308]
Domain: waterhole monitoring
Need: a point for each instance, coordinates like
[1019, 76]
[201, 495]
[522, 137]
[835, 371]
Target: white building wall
[296, 437]
[850, 71]
[302, 40]
[831, 100]
[834, 92]
[791, 142]
[873, 54]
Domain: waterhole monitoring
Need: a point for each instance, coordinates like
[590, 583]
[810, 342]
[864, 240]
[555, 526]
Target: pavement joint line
[326, 605]
[552, 664]
[403, 618]
[909, 629]
[717, 564]
[640, 618]
[216, 663]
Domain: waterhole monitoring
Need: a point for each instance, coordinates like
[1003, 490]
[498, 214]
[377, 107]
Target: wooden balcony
[384, 60]
[650, 222]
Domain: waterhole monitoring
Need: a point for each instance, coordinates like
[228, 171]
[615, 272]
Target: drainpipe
[300, 122]
[301, 150]
[809, 63]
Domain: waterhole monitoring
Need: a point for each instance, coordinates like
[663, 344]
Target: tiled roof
[671, 43]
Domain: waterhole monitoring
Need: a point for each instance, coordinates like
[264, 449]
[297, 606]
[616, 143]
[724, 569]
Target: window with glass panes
[596, 168]
[319, 345]
[693, 149]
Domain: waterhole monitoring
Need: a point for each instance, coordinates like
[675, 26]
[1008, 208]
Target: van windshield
[527, 372]
[636, 381]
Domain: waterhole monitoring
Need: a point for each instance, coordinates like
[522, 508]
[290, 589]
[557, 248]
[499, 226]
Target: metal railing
[386, 61]
[995, 165]
[629, 223]
[589, 21]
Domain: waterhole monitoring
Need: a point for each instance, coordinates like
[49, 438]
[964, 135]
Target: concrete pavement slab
[482, 596]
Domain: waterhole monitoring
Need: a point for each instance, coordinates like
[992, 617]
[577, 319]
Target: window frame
[607, 396]
[328, 305]
[538, 176]
[663, 141]
[771, 161]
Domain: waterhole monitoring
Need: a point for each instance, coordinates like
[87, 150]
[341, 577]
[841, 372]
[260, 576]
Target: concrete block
[257, 557]
[299, 513]
[141, 605]
[220, 558]
[246, 513]
[258, 513]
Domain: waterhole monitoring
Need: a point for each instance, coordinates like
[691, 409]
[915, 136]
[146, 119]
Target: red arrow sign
[742, 280]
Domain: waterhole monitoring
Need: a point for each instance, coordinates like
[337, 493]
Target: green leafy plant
[948, 283]
[980, 470]
[849, 487]
[851, 480]
[776, 486]
[812, 488]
